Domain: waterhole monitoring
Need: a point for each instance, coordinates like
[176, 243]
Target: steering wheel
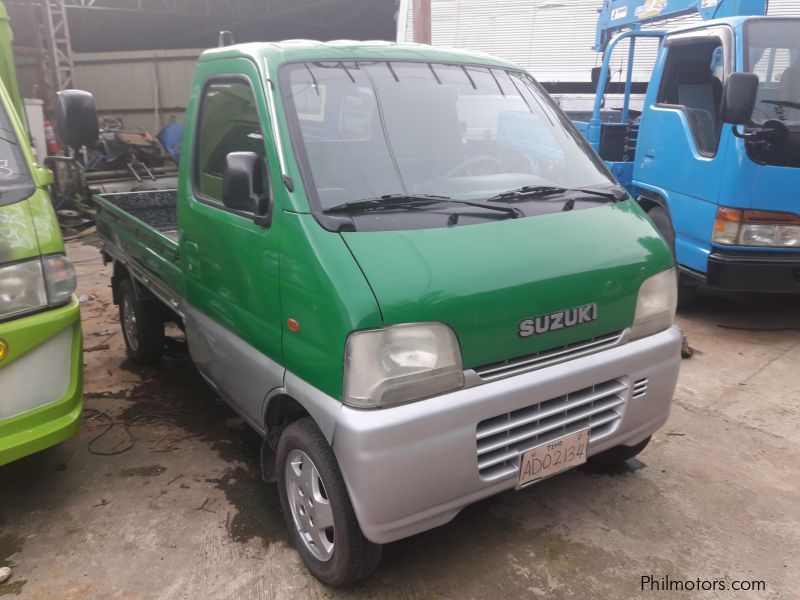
[465, 165]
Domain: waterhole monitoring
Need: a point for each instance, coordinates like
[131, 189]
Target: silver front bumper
[414, 467]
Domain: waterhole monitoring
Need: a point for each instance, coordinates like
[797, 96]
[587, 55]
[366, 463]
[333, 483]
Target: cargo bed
[140, 230]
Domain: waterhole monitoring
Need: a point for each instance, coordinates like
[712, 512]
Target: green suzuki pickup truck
[409, 273]
[40, 333]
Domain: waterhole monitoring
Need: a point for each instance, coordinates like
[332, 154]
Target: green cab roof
[309, 50]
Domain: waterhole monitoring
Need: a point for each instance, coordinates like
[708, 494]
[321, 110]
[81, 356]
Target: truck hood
[483, 280]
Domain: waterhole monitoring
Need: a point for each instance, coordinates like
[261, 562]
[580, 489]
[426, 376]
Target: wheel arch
[281, 411]
[120, 274]
[649, 199]
[295, 400]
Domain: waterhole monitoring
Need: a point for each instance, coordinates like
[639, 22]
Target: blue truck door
[680, 153]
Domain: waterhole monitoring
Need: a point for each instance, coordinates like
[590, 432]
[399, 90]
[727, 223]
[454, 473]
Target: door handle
[191, 248]
[649, 157]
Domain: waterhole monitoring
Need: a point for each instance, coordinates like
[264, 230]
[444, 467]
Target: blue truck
[714, 155]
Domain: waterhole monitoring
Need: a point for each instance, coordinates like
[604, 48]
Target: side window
[693, 77]
[228, 123]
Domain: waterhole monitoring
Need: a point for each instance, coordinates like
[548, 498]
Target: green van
[404, 268]
[41, 393]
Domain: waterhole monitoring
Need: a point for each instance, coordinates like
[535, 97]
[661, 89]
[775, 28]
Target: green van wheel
[142, 326]
[316, 506]
[616, 456]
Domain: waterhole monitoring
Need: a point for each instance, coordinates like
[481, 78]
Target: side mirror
[596, 77]
[739, 98]
[76, 118]
[245, 186]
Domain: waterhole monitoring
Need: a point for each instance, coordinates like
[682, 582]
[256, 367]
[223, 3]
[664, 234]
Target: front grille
[639, 389]
[502, 439]
[546, 358]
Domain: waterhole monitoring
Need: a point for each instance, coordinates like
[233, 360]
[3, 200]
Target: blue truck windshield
[368, 129]
[15, 178]
[774, 55]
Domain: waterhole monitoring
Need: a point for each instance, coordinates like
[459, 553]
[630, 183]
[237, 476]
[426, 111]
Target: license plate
[553, 457]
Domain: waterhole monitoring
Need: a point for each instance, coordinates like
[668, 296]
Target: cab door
[680, 152]
[230, 257]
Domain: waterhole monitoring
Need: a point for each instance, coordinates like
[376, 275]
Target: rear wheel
[687, 288]
[142, 326]
[618, 454]
[317, 509]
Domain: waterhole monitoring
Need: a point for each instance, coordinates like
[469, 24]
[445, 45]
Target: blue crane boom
[618, 15]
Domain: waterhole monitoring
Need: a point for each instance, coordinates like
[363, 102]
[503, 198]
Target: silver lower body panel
[414, 467]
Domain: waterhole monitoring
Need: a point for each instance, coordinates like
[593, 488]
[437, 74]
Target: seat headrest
[694, 72]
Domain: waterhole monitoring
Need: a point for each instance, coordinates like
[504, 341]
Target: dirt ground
[182, 513]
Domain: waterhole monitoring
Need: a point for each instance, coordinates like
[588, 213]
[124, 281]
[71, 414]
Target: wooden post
[422, 21]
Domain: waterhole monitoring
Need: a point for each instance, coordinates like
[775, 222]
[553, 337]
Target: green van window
[15, 178]
[228, 123]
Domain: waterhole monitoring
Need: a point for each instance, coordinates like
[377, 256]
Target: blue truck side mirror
[596, 77]
[739, 98]
[245, 186]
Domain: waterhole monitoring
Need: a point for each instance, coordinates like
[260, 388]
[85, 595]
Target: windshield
[774, 55]
[369, 129]
[15, 178]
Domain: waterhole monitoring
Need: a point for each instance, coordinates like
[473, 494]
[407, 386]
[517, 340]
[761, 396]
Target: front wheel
[317, 509]
[617, 455]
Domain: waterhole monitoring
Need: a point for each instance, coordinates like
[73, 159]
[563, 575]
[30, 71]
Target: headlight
[59, 276]
[35, 284]
[656, 304]
[400, 363]
[22, 288]
[733, 227]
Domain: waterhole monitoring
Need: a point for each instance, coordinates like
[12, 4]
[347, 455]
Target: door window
[773, 53]
[693, 78]
[228, 123]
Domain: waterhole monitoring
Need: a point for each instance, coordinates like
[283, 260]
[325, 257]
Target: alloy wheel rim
[309, 505]
[129, 325]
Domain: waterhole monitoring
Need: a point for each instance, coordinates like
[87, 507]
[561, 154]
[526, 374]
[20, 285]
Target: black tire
[687, 288]
[617, 455]
[353, 556]
[142, 326]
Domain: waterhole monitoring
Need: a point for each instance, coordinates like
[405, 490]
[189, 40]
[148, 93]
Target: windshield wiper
[784, 103]
[393, 201]
[530, 192]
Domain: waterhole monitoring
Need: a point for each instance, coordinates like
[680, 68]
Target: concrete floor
[183, 513]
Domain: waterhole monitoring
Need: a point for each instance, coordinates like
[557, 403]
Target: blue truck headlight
[656, 304]
[757, 228]
[401, 363]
